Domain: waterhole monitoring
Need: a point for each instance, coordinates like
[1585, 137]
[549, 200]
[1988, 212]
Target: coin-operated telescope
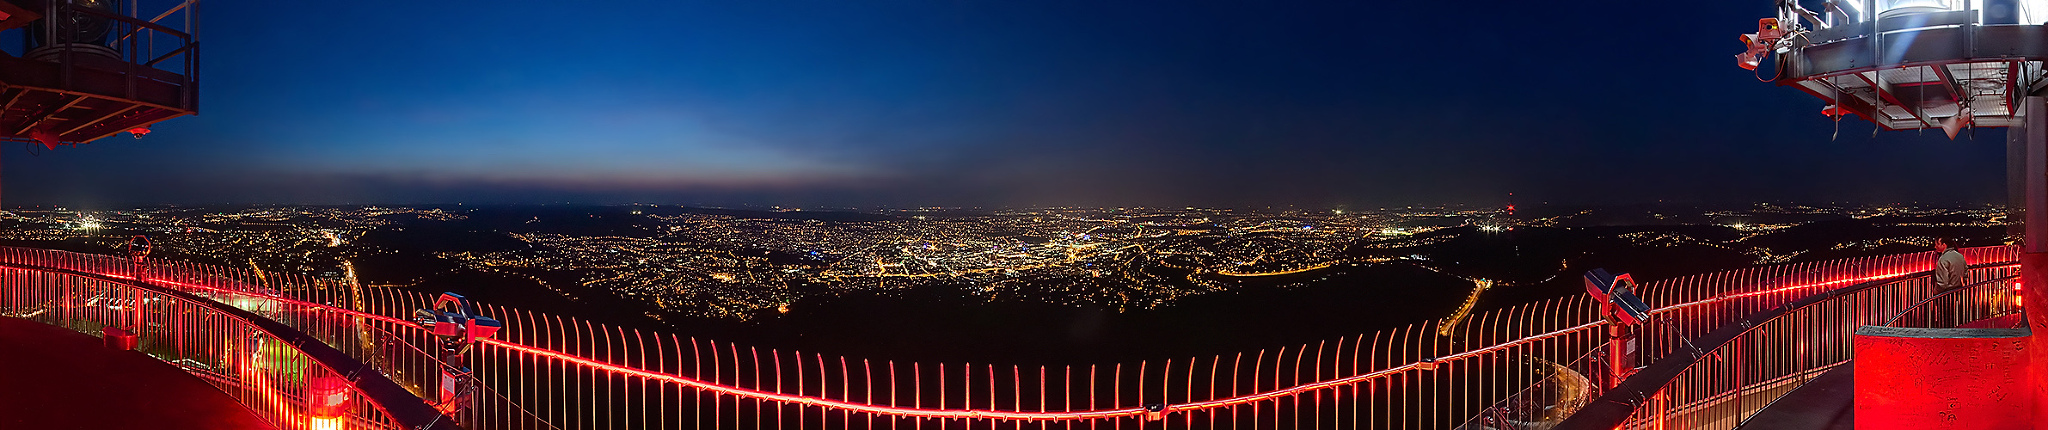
[1617, 296]
[1625, 313]
[138, 248]
[455, 321]
[125, 336]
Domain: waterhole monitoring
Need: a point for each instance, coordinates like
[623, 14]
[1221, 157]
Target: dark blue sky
[867, 103]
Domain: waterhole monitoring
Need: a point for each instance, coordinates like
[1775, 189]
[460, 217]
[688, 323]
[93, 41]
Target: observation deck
[1730, 349]
[1828, 401]
[264, 340]
[1914, 64]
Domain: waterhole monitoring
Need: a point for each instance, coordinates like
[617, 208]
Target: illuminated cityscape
[723, 263]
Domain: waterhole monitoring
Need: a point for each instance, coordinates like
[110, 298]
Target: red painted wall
[2034, 299]
[1943, 383]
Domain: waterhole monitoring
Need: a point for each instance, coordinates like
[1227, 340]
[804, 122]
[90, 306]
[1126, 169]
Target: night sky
[996, 103]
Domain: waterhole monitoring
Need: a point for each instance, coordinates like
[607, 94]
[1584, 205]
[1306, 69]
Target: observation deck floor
[1825, 403]
[55, 378]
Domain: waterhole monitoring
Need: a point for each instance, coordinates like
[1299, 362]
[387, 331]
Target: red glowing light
[1047, 416]
[327, 396]
[139, 132]
[1141, 412]
[318, 423]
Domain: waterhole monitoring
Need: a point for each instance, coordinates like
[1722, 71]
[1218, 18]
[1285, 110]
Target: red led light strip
[1015, 415]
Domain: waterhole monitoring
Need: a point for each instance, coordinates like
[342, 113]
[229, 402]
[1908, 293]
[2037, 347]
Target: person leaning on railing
[1950, 267]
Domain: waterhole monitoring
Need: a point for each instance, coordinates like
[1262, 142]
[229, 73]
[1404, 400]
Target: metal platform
[110, 71]
[1914, 67]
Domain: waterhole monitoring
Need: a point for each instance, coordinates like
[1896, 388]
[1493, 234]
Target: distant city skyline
[725, 263]
[896, 209]
[983, 104]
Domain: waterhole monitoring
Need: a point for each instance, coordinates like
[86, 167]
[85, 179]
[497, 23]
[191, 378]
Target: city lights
[715, 264]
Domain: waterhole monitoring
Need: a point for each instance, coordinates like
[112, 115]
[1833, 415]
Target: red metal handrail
[1747, 364]
[263, 363]
[553, 371]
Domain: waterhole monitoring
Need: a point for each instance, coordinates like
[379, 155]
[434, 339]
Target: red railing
[1728, 375]
[281, 373]
[548, 371]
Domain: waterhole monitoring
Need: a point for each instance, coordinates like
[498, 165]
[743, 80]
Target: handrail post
[1657, 420]
[70, 285]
